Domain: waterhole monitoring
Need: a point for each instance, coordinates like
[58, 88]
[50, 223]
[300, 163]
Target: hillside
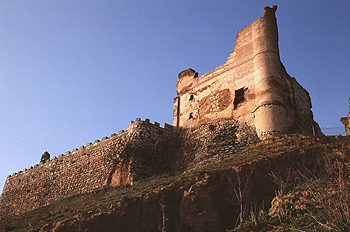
[305, 177]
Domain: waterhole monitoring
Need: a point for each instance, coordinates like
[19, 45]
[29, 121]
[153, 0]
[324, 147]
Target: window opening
[191, 97]
[239, 97]
[191, 116]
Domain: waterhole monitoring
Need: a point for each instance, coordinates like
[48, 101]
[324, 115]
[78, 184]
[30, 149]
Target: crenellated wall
[139, 151]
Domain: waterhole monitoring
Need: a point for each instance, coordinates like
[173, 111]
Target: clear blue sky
[75, 71]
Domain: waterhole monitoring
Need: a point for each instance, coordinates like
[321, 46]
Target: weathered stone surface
[212, 142]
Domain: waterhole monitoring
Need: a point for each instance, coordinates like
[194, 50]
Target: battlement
[122, 133]
[270, 11]
[138, 121]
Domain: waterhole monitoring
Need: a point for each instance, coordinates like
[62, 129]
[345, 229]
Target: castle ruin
[252, 87]
[215, 115]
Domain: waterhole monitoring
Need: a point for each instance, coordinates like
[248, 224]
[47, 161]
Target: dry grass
[320, 203]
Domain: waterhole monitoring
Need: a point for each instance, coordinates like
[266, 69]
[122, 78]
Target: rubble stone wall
[212, 142]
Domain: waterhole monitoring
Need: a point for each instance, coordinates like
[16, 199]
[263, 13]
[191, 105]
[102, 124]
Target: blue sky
[75, 71]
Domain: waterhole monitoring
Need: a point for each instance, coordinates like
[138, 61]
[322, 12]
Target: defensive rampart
[139, 151]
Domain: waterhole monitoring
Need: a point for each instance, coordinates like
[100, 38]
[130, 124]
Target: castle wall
[303, 116]
[211, 96]
[130, 155]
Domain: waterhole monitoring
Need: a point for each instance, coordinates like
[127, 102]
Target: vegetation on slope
[319, 202]
[307, 200]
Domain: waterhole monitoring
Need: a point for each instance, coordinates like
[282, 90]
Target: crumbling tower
[252, 87]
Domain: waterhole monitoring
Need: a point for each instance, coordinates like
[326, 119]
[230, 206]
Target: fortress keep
[252, 87]
[217, 114]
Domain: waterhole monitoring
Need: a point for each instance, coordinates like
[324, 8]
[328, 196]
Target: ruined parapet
[122, 158]
[345, 121]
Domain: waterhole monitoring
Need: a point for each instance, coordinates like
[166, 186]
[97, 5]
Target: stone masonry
[216, 115]
[212, 142]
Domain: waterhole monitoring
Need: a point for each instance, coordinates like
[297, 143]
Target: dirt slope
[216, 198]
